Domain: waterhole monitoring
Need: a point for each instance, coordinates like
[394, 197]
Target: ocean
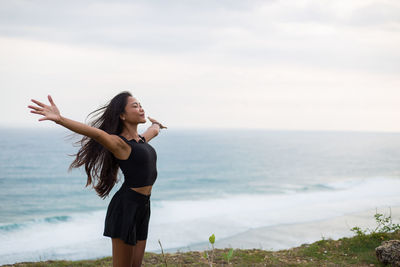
[223, 182]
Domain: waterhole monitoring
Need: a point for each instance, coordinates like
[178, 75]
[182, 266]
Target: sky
[280, 65]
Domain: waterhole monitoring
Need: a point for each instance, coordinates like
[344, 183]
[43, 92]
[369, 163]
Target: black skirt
[128, 216]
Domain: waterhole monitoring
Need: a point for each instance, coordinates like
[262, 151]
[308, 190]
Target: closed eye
[136, 105]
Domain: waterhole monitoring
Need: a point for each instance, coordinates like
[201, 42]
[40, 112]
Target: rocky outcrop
[389, 252]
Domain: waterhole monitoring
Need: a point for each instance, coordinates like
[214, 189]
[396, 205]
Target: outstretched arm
[111, 142]
[153, 130]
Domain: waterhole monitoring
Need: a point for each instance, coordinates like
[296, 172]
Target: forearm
[151, 132]
[79, 127]
[154, 129]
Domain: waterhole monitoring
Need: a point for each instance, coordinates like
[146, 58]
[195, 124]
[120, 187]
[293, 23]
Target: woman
[112, 142]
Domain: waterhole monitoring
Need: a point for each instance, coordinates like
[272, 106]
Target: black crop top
[140, 168]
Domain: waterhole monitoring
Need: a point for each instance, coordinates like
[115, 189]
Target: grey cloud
[138, 24]
[376, 14]
[324, 12]
[236, 31]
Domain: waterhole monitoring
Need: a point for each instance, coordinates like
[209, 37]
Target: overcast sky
[298, 65]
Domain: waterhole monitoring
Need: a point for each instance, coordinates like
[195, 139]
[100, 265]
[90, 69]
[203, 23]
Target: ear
[122, 117]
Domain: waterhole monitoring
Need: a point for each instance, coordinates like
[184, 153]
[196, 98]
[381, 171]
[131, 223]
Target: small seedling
[229, 255]
[212, 241]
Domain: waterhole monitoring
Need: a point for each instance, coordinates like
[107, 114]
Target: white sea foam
[181, 224]
[77, 237]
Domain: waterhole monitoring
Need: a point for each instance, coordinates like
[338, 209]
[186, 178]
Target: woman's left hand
[154, 121]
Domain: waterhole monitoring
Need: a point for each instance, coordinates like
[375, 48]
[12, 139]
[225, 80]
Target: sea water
[222, 182]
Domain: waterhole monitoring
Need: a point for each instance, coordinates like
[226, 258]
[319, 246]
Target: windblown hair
[100, 164]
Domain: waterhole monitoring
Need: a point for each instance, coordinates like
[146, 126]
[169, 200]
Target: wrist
[59, 119]
[156, 123]
[157, 127]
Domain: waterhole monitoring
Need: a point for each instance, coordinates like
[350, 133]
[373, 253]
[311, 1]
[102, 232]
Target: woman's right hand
[48, 112]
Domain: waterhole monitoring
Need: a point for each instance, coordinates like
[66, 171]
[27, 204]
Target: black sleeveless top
[140, 168]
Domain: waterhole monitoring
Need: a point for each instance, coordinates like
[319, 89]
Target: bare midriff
[144, 190]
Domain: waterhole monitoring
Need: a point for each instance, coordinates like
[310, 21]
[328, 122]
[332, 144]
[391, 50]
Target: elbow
[98, 135]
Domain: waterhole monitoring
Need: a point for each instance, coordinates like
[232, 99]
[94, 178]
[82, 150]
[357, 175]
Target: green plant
[384, 225]
[228, 255]
[212, 240]
[209, 258]
[358, 231]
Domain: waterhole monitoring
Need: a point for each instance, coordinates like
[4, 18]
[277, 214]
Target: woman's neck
[130, 131]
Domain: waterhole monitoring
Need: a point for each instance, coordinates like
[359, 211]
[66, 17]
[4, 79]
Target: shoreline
[287, 236]
[280, 237]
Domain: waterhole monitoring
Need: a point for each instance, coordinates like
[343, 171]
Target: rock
[389, 252]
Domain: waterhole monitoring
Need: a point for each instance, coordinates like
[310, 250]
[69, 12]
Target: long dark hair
[100, 165]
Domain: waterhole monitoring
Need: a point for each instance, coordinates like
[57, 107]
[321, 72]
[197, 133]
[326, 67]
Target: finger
[35, 108]
[37, 112]
[38, 103]
[43, 119]
[51, 100]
